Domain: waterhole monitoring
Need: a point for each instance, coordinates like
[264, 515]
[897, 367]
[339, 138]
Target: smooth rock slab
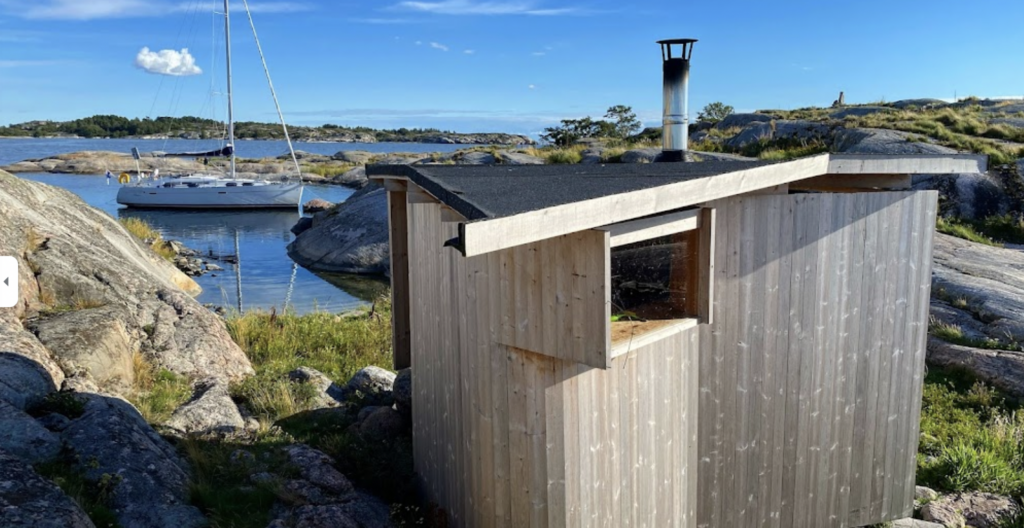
[152, 481]
[914, 523]
[24, 437]
[28, 500]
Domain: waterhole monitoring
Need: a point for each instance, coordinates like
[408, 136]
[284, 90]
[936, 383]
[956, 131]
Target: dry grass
[148, 235]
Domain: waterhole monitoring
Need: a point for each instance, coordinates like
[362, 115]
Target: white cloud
[471, 7]
[99, 9]
[441, 47]
[419, 42]
[167, 62]
[469, 52]
[532, 87]
[539, 53]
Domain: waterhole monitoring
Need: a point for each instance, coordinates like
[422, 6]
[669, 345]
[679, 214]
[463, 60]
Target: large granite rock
[96, 296]
[147, 482]
[355, 157]
[350, 238]
[23, 382]
[742, 120]
[22, 436]
[28, 500]
[506, 157]
[355, 178]
[752, 133]
[883, 141]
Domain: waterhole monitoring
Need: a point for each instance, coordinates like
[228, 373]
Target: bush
[564, 156]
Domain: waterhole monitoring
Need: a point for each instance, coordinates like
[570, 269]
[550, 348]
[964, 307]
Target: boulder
[148, 483]
[801, 130]
[327, 393]
[970, 196]
[28, 500]
[371, 386]
[742, 120]
[646, 155]
[355, 178]
[506, 157]
[350, 238]
[382, 423]
[210, 411]
[24, 437]
[978, 510]
[316, 205]
[591, 156]
[23, 382]
[923, 494]
[355, 157]
[752, 133]
[402, 392]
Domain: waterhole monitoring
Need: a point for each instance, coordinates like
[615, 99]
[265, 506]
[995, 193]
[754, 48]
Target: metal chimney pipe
[675, 115]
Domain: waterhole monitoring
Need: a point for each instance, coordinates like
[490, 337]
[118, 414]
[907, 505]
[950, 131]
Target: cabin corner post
[398, 234]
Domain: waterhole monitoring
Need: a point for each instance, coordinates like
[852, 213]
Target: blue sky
[497, 65]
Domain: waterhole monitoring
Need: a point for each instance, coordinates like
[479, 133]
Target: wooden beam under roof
[915, 164]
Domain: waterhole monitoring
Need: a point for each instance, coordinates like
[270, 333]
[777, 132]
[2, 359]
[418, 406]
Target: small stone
[914, 523]
[978, 510]
[316, 205]
[328, 394]
[213, 267]
[211, 411]
[371, 386]
[923, 494]
[243, 457]
[944, 514]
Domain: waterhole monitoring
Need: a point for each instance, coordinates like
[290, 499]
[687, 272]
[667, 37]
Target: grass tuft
[963, 229]
[150, 236]
[92, 497]
[157, 391]
[566, 156]
[972, 436]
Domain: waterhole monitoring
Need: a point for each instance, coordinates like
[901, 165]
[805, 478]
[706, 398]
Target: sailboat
[206, 191]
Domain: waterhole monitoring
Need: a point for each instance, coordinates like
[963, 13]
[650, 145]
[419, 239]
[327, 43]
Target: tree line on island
[620, 122]
[188, 127]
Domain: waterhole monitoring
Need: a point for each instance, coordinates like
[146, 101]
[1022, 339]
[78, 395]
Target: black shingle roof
[493, 191]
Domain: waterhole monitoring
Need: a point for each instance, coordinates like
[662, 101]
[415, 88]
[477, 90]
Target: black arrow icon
[5, 281]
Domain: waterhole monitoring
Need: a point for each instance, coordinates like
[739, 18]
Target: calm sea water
[19, 149]
[269, 278]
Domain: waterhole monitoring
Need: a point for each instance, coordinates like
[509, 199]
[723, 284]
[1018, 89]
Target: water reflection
[264, 275]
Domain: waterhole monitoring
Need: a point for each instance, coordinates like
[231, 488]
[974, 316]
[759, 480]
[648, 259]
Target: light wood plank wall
[810, 379]
[504, 436]
[807, 384]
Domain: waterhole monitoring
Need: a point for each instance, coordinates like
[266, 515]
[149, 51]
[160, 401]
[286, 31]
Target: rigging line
[193, 8]
[273, 93]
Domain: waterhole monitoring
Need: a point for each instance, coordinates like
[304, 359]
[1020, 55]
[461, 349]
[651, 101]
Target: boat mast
[231, 106]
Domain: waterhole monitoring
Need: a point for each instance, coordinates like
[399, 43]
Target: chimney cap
[677, 41]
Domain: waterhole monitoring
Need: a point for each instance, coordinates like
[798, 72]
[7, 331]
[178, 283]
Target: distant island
[111, 126]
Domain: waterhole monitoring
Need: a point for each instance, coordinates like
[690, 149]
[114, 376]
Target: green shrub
[962, 229]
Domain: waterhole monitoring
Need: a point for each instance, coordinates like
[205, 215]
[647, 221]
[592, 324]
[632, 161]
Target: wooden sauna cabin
[718, 344]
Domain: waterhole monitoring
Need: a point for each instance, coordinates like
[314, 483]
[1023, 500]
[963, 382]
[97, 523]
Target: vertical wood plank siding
[810, 379]
[807, 385]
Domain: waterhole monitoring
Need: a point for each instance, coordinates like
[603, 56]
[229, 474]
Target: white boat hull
[269, 196]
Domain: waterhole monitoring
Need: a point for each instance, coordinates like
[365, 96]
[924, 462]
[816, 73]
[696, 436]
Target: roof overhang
[486, 235]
